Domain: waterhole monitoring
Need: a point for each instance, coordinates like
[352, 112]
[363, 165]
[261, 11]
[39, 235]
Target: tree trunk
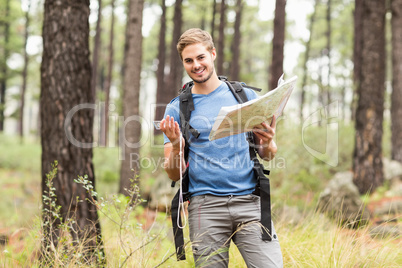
[95, 54]
[66, 112]
[328, 51]
[161, 97]
[203, 16]
[176, 66]
[24, 76]
[396, 99]
[221, 39]
[131, 97]
[357, 47]
[108, 81]
[306, 57]
[278, 43]
[235, 66]
[213, 19]
[4, 68]
[367, 161]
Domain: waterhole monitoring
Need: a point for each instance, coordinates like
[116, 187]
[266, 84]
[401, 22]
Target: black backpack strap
[177, 232]
[237, 90]
[186, 107]
[263, 190]
[263, 187]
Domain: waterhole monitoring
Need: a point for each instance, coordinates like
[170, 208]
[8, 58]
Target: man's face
[198, 62]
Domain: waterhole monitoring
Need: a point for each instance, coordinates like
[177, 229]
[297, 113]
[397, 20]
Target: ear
[213, 53]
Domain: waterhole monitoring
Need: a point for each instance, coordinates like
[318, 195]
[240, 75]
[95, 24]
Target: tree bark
[4, 68]
[278, 43]
[176, 66]
[95, 54]
[221, 39]
[131, 97]
[213, 19]
[161, 97]
[357, 46]
[328, 51]
[235, 66]
[396, 98]
[108, 81]
[306, 57]
[66, 112]
[24, 75]
[367, 161]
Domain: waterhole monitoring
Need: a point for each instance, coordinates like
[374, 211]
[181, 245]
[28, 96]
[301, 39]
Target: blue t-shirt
[219, 167]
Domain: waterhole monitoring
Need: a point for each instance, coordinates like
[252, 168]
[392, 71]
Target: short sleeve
[251, 94]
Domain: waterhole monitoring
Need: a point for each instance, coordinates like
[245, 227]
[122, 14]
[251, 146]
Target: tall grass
[313, 242]
[143, 238]
[317, 242]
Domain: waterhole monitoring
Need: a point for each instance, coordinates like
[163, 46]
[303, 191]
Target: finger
[165, 122]
[260, 131]
[162, 124]
[177, 128]
[273, 122]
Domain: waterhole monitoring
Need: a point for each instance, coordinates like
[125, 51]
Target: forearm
[172, 165]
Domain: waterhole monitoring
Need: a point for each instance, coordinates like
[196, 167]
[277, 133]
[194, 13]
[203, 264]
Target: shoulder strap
[186, 107]
[241, 97]
[263, 186]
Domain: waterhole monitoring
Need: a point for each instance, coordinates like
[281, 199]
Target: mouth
[199, 71]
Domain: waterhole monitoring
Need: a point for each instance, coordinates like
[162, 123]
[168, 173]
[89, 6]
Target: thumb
[273, 122]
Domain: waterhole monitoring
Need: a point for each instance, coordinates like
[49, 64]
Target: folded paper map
[243, 117]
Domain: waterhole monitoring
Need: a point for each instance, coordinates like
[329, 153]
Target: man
[221, 180]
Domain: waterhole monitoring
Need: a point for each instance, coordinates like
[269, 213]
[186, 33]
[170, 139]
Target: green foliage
[295, 172]
[107, 167]
[15, 155]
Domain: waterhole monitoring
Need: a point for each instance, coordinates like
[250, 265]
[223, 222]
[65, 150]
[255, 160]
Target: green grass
[313, 242]
[318, 242]
[297, 178]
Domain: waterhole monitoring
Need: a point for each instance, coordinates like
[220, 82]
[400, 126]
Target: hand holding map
[243, 117]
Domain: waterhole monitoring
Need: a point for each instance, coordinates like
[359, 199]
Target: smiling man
[222, 204]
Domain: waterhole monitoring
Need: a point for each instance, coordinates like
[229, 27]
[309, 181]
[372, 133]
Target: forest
[81, 163]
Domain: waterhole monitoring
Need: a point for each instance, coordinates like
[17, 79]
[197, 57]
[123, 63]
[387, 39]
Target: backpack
[262, 187]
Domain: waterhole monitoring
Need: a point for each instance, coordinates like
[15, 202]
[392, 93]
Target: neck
[208, 86]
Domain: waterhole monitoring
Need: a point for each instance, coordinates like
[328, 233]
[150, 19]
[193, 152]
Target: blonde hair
[194, 36]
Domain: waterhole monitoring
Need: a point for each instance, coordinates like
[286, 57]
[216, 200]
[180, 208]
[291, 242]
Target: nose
[196, 64]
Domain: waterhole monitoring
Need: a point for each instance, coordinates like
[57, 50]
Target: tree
[97, 44]
[4, 68]
[66, 112]
[131, 92]
[176, 67]
[161, 97]
[306, 58]
[108, 81]
[278, 43]
[328, 52]
[357, 46]
[213, 19]
[235, 67]
[24, 75]
[367, 159]
[221, 39]
[396, 98]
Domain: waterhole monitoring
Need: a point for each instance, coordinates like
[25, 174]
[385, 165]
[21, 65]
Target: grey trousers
[215, 220]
